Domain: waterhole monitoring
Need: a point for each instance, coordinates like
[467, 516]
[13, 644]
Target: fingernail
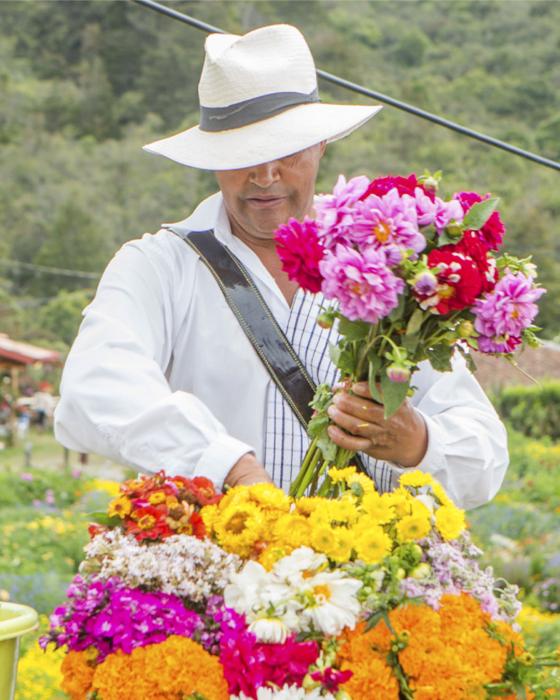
[331, 410]
[336, 399]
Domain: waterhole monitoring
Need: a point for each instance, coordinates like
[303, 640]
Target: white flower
[270, 630]
[254, 589]
[331, 603]
[181, 565]
[302, 560]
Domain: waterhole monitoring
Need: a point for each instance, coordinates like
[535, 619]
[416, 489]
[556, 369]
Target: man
[162, 374]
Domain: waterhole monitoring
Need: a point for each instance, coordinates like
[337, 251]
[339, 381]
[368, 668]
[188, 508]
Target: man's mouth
[265, 201]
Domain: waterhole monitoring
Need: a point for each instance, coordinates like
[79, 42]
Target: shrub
[533, 410]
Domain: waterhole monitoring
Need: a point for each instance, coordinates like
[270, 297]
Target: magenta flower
[363, 284]
[300, 251]
[331, 679]
[389, 222]
[249, 664]
[493, 231]
[334, 211]
[505, 312]
[108, 616]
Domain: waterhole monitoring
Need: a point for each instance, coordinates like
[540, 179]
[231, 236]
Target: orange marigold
[77, 675]
[364, 654]
[175, 668]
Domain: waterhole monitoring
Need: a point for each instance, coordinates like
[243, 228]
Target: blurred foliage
[533, 410]
[85, 84]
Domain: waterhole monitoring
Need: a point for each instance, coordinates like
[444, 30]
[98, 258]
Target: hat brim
[276, 137]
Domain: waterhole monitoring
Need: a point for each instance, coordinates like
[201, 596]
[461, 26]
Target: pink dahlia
[493, 231]
[389, 222]
[334, 211]
[434, 211]
[362, 282]
[403, 185]
[300, 251]
[503, 315]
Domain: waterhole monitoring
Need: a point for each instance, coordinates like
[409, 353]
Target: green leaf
[440, 357]
[327, 446]
[317, 424]
[102, 518]
[334, 353]
[479, 214]
[346, 361]
[410, 343]
[471, 364]
[353, 330]
[445, 239]
[415, 322]
[373, 376]
[398, 311]
[394, 393]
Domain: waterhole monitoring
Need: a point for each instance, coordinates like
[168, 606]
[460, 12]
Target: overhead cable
[360, 89]
[46, 270]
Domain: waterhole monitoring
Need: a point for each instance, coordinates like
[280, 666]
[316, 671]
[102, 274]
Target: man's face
[261, 198]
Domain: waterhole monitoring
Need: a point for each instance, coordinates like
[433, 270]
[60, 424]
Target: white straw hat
[258, 102]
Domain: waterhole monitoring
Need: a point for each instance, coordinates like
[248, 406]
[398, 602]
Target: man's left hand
[361, 427]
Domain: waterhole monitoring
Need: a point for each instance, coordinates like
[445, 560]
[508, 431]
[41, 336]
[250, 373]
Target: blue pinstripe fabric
[285, 440]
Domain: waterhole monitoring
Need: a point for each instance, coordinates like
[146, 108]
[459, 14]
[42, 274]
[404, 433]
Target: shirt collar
[211, 214]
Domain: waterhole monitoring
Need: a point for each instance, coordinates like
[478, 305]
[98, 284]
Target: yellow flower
[209, 515]
[378, 508]
[156, 498]
[292, 529]
[269, 496]
[364, 481]
[120, 506]
[342, 542]
[308, 504]
[110, 487]
[400, 499]
[271, 555]
[450, 521]
[337, 475]
[322, 537]
[238, 527]
[415, 479]
[39, 674]
[441, 494]
[372, 544]
[413, 527]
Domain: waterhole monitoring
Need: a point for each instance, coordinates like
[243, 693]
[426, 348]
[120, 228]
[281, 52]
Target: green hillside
[84, 85]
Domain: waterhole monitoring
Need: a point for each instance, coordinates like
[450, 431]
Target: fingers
[347, 441]
[362, 408]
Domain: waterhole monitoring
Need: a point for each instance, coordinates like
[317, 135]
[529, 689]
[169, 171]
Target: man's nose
[265, 174]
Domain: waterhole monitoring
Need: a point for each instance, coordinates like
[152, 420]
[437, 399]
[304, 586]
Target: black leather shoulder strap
[256, 319]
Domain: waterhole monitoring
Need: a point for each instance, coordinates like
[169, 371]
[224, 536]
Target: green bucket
[15, 621]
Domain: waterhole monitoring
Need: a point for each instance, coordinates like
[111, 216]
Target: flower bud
[269, 630]
[454, 229]
[430, 183]
[401, 573]
[325, 320]
[424, 283]
[398, 373]
[421, 571]
[466, 329]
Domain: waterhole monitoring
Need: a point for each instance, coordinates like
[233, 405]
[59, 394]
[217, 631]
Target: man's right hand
[247, 470]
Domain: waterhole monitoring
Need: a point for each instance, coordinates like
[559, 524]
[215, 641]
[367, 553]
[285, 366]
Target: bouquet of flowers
[412, 277]
[267, 597]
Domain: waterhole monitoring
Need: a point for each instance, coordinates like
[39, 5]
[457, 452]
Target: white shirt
[161, 375]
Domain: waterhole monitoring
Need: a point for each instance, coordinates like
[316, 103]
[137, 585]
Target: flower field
[43, 529]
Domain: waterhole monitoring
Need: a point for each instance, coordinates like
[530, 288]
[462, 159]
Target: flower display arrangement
[411, 277]
[187, 593]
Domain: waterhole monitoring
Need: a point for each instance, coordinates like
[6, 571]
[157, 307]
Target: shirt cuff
[219, 457]
[434, 460]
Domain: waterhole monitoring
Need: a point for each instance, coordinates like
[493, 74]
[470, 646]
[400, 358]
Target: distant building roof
[13, 352]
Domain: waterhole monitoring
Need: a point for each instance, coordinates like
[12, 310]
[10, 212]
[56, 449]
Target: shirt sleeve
[467, 442]
[115, 398]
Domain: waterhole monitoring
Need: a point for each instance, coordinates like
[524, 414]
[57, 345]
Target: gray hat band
[253, 110]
